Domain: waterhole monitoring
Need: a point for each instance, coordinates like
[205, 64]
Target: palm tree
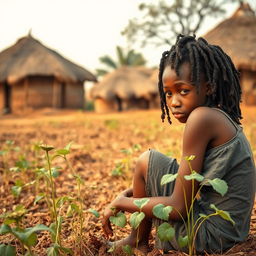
[131, 58]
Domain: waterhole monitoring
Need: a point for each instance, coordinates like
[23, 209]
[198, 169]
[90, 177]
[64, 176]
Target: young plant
[78, 205]
[55, 205]
[26, 236]
[135, 220]
[137, 217]
[166, 232]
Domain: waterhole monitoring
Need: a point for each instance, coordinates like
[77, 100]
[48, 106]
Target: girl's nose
[175, 102]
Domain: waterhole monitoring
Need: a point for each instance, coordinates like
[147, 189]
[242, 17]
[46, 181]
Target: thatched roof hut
[237, 36]
[34, 76]
[125, 88]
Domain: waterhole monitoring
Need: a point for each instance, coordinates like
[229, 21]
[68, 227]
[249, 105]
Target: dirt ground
[101, 143]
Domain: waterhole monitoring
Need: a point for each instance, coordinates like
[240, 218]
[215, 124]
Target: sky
[80, 30]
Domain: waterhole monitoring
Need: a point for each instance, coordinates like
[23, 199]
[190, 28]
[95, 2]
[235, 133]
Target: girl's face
[181, 96]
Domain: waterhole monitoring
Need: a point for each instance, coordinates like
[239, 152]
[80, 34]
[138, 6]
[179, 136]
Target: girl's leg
[139, 190]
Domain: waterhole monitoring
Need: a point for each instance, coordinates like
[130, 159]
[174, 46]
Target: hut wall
[248, 83]
[104, 106]
[74, 96]
[1, 97]
[32, 92]
[40, 92]
[18, 97]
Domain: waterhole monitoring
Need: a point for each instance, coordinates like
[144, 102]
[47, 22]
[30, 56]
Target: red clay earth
[98, 141]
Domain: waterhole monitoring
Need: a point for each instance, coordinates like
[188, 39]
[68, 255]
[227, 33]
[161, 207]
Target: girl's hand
[111, 210]
[106, 225]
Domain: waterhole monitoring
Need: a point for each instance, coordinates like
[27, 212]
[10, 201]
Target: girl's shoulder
[204, 115]
[213, 124]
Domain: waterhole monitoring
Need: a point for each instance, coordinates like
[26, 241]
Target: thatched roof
[237, 37]
[125, 83]
[29, 57]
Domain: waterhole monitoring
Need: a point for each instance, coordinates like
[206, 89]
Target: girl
[199, 86]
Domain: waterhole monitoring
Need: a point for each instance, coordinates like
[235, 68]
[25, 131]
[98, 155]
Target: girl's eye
[184, 92]
[168, 94]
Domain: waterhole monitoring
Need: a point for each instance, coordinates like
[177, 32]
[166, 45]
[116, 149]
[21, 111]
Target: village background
[70, 78]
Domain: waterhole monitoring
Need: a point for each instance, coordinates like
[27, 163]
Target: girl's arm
[197, 135]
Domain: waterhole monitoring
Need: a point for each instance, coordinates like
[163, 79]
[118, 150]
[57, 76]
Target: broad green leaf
[141, 202]
[4, 229]
[118, 220]
[28, 236]
[7, 250]
[223, 214]
[136, 218]
[162, 212]
[165, 232]
[219, 185]
[94, 212]
[183, 241]
[226, 216]
[194, 176]
[168, 178]
[127, 249]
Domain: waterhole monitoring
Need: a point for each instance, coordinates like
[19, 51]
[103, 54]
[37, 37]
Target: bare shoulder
[209, 125]
[202, 116]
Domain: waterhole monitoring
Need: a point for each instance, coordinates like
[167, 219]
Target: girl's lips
[178, 115]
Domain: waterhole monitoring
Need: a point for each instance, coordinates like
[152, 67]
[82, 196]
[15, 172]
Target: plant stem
[53, 197]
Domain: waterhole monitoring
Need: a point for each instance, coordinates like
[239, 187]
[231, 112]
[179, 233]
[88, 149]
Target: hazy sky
[81, 30]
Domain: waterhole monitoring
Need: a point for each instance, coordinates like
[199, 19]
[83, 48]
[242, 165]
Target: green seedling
[26, 236]
[55, 204]
[165, 230]
[137, 217]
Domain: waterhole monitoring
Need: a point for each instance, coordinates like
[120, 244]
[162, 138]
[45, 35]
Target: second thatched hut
[125, 88]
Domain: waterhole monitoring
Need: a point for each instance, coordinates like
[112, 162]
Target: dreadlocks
[217, 67]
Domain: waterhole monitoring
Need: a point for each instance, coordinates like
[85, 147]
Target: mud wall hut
[34, 76]
[125, 88]
[237, 36]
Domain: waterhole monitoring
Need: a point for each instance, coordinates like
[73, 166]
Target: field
[102, 157]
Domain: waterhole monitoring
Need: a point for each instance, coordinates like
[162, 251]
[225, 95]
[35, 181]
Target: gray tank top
[232, 162]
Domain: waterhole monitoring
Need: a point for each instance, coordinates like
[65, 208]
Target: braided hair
[217, 67]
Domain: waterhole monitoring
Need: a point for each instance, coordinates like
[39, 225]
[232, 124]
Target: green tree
[128, 58]
[162, 20]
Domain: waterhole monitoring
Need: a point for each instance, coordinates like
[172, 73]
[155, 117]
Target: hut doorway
[7, 98]
[62, 95]
[119, 103]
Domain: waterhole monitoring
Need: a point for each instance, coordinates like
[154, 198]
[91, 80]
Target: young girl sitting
[199, 86]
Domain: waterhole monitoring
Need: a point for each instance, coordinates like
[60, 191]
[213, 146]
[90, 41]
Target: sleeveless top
[232, 162]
